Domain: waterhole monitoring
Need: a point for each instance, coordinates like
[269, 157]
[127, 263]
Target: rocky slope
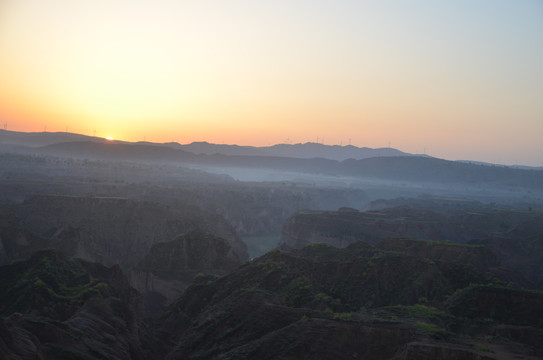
[359, 302]
[390, 297]
[106, 230]
[341, 228]
[521, 249]
[515, 237]
[259, 209]
[170, 267]
[53, 307]
[401, 299]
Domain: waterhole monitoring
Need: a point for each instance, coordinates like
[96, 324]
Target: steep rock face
[523, 334]
[16, 242]
[113, 230]
[193, 251]
[257, 209]
[60, 308]
[340, 228]
[510, 306]
[521, 252]
[170, 267]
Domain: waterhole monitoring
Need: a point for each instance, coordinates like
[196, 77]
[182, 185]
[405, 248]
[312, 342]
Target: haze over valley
[165, 242]
[254, 180]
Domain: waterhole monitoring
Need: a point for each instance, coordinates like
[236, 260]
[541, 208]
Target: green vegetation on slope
[45, 279]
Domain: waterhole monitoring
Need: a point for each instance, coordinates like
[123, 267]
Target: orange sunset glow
[461, 79]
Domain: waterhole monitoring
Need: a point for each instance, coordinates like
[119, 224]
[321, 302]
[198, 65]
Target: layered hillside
[514, 237]
[106, 230]
[341, 228]
[399, 300]
[170, 267]
[53, 307]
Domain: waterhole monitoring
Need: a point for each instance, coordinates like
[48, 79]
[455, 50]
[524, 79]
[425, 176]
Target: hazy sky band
[462, 79]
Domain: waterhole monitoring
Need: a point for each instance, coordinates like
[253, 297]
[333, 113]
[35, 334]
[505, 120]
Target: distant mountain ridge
[37, 139]
[307, 150]
[302, 151]
[18, 141]
[420, 169]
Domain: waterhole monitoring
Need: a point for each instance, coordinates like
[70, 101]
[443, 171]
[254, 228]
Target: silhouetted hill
[306, 150]
[203, 147]
[398, 169]
[424, 170]
[37, 139]
[112, 150]
[303, 151]
[333, 152]
[442, 171]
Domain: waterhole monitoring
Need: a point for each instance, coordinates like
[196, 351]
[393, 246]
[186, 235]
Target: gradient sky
[460, 79]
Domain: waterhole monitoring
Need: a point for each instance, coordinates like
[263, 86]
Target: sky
[458, 79]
